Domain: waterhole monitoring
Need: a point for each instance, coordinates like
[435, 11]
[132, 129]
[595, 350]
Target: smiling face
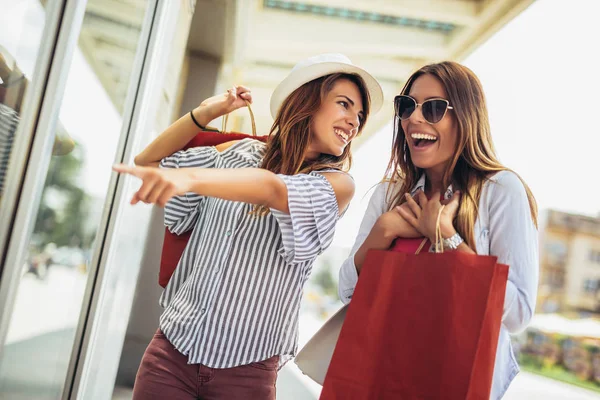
[337, 121]
[431, 146]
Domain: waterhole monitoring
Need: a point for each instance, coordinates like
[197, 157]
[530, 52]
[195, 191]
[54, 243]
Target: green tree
[64, 224]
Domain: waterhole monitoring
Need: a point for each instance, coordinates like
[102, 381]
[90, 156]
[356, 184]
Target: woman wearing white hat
[260, 214]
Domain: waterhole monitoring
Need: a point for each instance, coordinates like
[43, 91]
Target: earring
[404, 151]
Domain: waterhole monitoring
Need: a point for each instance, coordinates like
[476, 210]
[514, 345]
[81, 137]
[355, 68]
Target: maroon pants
[165, 374]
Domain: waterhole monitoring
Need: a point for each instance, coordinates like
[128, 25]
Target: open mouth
[422, 140]
[341, 134]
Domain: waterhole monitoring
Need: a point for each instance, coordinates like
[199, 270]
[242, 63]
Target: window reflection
[48, 303]
[17, 61]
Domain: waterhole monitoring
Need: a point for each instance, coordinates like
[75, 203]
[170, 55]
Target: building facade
[570, 264]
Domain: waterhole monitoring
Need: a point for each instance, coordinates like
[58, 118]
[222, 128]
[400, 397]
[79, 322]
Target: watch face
[450, 244]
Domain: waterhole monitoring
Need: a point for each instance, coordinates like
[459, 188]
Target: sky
[540, 75]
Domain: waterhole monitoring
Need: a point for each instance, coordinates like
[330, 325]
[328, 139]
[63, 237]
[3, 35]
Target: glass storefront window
[35, 357]
[21, 27]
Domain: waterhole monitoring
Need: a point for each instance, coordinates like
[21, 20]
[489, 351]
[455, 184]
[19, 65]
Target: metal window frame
[30, 158]
[27, 179]
[83, 377]
[110, 294]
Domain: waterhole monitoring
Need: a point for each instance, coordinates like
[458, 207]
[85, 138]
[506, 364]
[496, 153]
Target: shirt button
[228, 233]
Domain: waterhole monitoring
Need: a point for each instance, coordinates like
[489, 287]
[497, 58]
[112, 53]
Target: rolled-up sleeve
[181, 212]
[514, 240]
[309, 227]
[348, 276]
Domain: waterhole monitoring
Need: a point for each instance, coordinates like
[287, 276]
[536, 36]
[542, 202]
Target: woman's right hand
[159, 185]
[392, 225]
[222, 104]
[387, 228]
[179, 134]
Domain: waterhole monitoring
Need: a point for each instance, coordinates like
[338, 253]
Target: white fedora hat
[318, 66]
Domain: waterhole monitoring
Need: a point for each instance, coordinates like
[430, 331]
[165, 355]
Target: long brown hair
[292, 130]
[475, 159]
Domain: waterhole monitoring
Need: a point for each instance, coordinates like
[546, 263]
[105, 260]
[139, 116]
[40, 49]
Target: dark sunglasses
[433, 110]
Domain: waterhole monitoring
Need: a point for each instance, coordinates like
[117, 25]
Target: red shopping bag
[173, 245]
[420, 326]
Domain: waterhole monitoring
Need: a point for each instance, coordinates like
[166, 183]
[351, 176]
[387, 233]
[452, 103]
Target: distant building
[569, 263]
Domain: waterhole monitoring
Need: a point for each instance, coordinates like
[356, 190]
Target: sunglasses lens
[434, 110]
[405, 106]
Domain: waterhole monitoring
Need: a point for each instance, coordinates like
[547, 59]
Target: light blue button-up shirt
[505, 229]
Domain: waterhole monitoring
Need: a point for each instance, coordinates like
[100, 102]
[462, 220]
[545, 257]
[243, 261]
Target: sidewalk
[528, 386]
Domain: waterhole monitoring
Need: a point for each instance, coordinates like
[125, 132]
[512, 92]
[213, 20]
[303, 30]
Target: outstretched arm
[248, 185]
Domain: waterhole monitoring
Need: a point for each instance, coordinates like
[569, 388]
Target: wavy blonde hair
[474, 160]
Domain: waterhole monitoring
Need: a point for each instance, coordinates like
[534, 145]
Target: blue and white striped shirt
[9, 119]
[234, 297]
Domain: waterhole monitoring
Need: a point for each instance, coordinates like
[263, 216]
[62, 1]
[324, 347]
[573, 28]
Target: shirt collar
[421, 186]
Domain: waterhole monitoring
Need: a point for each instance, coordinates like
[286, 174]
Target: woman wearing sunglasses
[443, 155]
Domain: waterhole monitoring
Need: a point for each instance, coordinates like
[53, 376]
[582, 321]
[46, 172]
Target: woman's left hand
[158, 185]
[422, 214]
